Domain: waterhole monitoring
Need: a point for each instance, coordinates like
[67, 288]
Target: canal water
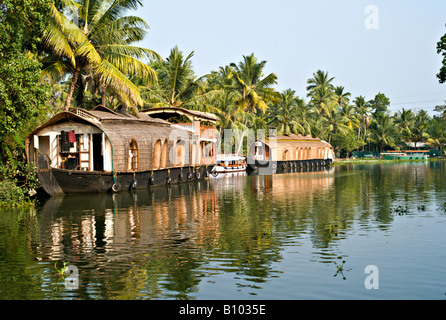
[375, 231]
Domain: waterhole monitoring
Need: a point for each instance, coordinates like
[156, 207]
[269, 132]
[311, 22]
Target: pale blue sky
[297, 38]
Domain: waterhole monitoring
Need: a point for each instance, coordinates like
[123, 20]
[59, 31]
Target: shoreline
[343, 161]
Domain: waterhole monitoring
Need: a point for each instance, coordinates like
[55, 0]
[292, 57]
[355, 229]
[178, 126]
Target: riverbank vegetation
[58, 54]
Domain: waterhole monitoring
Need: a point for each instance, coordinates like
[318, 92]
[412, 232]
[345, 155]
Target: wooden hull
[408, 157]
[272, 167]
[62, 181]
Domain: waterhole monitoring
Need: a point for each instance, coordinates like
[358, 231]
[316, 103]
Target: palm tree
[178, 85]
[363, 109]
[323, 99]
[350, 115]
[405, 120]
[320, 79]
[419, 130]
[255, 88]
[383, 131]
[98, 46]
[284, 114]
[342, 98]
[437, 133]
[336, 122]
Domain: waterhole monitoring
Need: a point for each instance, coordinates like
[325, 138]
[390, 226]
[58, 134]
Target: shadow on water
[170, 242]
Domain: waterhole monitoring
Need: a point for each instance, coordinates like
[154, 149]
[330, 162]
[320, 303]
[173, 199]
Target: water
[239, 237]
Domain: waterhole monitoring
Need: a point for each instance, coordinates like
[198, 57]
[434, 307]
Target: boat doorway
[98, 158]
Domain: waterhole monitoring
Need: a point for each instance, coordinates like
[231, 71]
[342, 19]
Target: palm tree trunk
[103, 95]
[76, 73]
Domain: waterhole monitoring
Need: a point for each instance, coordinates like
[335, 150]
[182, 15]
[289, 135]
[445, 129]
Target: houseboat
[279, 154]
[405, 155]
[102, 150]
[230, 163]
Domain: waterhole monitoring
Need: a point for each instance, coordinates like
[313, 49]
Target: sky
[371, 46]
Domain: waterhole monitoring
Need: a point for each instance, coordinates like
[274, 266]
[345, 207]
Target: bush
[18, 184]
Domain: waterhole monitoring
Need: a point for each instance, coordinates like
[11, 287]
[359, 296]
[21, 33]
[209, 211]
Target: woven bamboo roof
[169, 112]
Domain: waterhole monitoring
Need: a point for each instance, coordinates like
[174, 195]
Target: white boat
[230, 163]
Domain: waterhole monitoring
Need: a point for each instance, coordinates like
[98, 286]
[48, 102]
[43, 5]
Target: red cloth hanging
[71, 136]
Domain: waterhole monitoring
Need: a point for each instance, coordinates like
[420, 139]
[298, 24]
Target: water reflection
[169, 242]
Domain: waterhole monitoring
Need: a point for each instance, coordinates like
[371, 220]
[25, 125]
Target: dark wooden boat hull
[272, 167]
[62, 181]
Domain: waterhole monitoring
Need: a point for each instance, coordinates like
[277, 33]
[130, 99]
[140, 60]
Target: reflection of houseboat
[405, 155]
[230, 163]
[278, 154]
[100, 150]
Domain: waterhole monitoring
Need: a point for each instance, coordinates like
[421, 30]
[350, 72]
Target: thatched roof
[169, 112]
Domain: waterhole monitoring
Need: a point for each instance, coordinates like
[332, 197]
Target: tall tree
[405, 120]
[437, 133]
[284, 114]
[383, 131]
[255, 88]
[98, 41]
[363, 109]
[320, 79]
[324, 100]
[22, 95]
[177, 83]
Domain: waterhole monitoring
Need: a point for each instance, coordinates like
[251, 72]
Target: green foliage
[18, 184]
[21, 93]
[97, 50]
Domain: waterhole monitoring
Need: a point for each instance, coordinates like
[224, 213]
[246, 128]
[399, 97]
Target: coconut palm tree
[350, 115]
[363, 109]
[178, 85]
[284, 114]
[320, 79]
[98, 43]
[405, 120]
[323, 99]
[437, 133]
[383, 132]
[419, 131]
[255, 88]
[342, 97]
[336, 122]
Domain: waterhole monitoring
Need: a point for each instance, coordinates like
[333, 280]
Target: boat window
[285, 155]
[133, 155]
[69, 150]
[157, 155]
[164, 154]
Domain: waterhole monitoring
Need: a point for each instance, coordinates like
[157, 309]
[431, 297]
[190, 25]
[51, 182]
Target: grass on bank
[375, 160]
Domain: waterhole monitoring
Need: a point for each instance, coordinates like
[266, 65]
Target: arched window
[157, 155]
[180, 153]
[133, 155]
[164, 155]
[285, 155]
